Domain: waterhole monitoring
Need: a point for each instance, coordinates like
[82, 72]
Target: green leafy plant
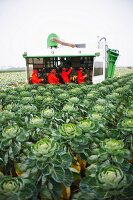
[110, 150]
[106, 182]
[16, 188]
[69, 131]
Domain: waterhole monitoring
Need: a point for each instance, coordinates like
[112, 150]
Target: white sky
[25, 25]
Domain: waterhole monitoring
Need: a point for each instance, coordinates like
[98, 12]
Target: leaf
[11, 155]
[47, 170]
[85, 185]
[40, 164]
[103, 157]
[6, 158]
[26, 193]
[128, 192]
[45, 193]
[92, 158]
[56, 190]
[16, 148]
[66, 160]
[58, 174]
[1, 161]
[119, 159]
[57, 162]
[11, 197]
[68, 179]
[22, 137]
[6, 143]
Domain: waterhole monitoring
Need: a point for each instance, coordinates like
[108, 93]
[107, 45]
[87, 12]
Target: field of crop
[123, 71]
[19, 78]
[67, 141]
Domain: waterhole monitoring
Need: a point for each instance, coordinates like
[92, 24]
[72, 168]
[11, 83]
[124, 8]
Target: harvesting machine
[98, 65]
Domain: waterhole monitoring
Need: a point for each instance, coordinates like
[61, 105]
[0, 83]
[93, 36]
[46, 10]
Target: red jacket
[80, 77]
[35, 78]
[65, 75]
[52, 79]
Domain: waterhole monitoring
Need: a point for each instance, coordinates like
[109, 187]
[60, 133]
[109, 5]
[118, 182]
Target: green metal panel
[48, 56]
[112, 57]
[50, 43]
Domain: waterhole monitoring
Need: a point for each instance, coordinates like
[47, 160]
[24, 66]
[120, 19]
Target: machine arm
[68, 44]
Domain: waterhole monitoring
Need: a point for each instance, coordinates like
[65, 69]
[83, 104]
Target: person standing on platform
[52, 78]
[65, 74]
[34, 78]
[80, 76]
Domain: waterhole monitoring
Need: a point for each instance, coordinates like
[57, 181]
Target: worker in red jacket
[34, 78]
[80, 77]
[52, 78]
[65, 75]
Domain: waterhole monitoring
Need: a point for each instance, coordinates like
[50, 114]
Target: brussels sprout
[28, 109]
[113, 96]
[112, 145]
[36, 122]
[86, 102]
[50, 87]
[106, 182]
[11, 185]
[96, 116]
[25, 94]
[75, 91]
[69, 130]
[44, 148]
[88, 125]
[2, 95]
[63, 96]
[26, 100]
[115, 84]
[69, 108]
[99, 108]
[34, 92]
[119, 90]
[10, 131]
[103, 90]
[16, 188]
[10, 107]
[48, 100]
[111, 177]
[11, 97]
[58, 91]
[129, 113]
[111, 106]
[101, 101]
[114, 149]
[7, 115]
[48, 113]
[127, 123]
[41, 89]
[39, 98]
[84, 87]
[91, 95]
[47, 94]
[73, 100]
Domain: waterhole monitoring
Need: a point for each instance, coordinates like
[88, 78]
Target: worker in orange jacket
[52, 78]
[34, 78]
[65, 75]
[80, 77]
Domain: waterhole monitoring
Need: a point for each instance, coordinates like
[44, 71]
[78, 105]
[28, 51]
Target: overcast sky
[26, 24]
